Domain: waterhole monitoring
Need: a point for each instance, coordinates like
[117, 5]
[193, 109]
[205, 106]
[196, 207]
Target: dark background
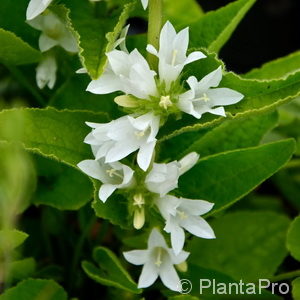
[271, 29]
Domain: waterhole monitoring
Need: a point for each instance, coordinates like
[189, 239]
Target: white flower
[126, 72]
[172, 53]
[119, 138]
[36, 7]
[54, 33]
[203, 97]
[163, 178]
[145, 3]
[182, 213]
[112, 175]
[46, 72]
[158, 261]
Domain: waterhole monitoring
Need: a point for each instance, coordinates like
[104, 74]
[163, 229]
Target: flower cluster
[151, 97]
[54, 33]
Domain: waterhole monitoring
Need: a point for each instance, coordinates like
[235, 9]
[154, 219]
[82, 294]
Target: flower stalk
[155, 22]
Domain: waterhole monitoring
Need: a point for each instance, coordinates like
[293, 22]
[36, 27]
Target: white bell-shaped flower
[126, 72]
[54, 33]
[119, 138]
[181, 213]
[163, 178]
[158, 261]
[46, 72]
[112, 175]
[172, 53]
[36, 7]
[204, 97]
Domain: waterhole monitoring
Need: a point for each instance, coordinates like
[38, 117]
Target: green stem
[25, 82]
[154, 27]
[285, 276]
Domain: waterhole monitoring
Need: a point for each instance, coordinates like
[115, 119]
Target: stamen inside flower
[138, 200]
[182, 215]
[205, 98]
[174, 55]
[158, 260]
[165, 102]
[140, 134]
[113, 173]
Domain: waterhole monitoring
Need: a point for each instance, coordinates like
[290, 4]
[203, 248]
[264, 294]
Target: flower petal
[90, 167]
[107, 83]
[196, 207]
[119, 151]
[145, 3]
[167, 36]
[169, 277]
[136, 257]
[177, 238]
[194, 56]
[219, 111]
[68, 42]
[46, 43]
[198, 227]
[178, 259]
[224, 96]
[148, 276]
[156, 239]
[36, 7]
[152, 50]
[145, 155]
[212, 79]
[105, 191]
[128, 175]
[188, 161]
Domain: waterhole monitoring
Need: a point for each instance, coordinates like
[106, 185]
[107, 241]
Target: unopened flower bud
[139, 218]
[126, 101]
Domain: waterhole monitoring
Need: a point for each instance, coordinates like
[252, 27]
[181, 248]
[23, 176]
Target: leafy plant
[113, 140]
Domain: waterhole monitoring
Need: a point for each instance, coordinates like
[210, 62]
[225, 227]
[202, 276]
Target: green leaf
[35, 289]
[54, 133]
[296, 289]
[109, 272]
[72, 95]
[214, 29]
[96, 35]
[15, 51]
[259, 97]
[11, 239]
[226, 177]
[288, 185]
[293, 244]
[252, 245]
[230, 135]
[195, 273]
[234, 134]
[276, 69]
[21, 269]
[182, 12]
[61, 186]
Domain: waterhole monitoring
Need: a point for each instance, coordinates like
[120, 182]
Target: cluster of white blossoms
[54, 33]
[151, 97]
